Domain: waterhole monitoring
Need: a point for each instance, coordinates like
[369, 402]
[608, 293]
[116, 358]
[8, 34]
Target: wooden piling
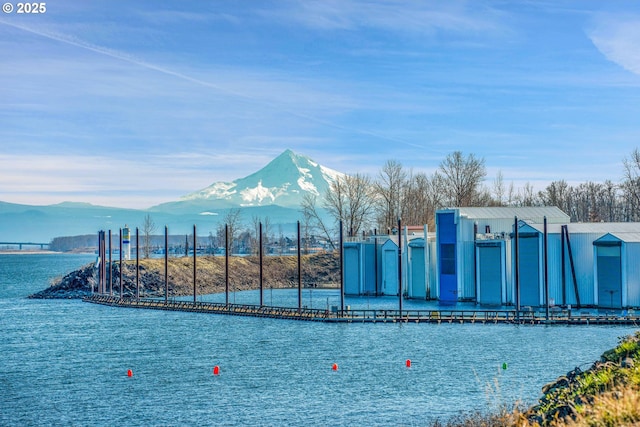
[194, 263]
[120, 261]
[341, 267]
[517, 265]
[137, 264]
[166, 264]
[299, 273]
[261, 266]
[226, 263]
[400, 265]
[110, 271]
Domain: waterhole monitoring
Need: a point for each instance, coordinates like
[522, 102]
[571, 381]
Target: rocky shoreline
[318, 270]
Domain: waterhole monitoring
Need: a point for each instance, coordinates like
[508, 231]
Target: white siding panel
[582, 248]
[433, 291]
[555, 268]
[633, 274]
[509, 272]
[468, 273]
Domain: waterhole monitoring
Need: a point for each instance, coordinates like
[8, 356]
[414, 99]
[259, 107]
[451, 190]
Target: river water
[65, 362]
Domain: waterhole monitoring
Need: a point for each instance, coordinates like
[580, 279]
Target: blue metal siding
[432, 262]
[390, 268]
[447, 258]
[352, 268]
[490, 274]
[369, 269]
[529, 271]
[631, 257]
[417, 269]
[609, 268]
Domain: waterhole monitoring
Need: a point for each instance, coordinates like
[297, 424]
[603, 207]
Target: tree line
[364, 204]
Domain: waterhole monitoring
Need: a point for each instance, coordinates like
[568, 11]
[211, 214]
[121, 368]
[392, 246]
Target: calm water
[65, 362]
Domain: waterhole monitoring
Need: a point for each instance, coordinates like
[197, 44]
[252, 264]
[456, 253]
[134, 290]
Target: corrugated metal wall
[633, 273]
[369, 286]
[389, 268]
[554, 269]
[449, 257]
[582, 248]
[467, 272]
[352, 268]
[490, 273]
[433, 290]
[466, 249]
[530, 272]
[609, 274]
[417, 286]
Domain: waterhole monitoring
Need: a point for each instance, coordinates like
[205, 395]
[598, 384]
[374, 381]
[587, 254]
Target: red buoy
[334, 367]
[216, 370]
[129, 373]
[408, 363]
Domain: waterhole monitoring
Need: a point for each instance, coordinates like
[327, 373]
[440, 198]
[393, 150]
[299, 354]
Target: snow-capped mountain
[283, 182]
[275, 191]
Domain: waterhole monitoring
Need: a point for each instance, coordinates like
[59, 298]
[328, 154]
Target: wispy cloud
[29, 178]
[293, 99]
[390, 15]
[617, 37]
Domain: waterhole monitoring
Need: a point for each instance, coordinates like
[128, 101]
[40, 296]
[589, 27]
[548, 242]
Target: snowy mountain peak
[284, 182]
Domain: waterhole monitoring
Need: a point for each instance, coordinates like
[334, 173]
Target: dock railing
[558, 316]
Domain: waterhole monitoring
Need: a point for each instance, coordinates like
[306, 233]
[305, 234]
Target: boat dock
[530, 317]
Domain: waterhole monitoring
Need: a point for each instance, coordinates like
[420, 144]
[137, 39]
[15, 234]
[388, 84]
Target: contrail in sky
[132, 60]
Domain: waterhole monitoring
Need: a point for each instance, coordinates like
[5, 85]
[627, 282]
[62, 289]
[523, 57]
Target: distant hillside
[273, 192]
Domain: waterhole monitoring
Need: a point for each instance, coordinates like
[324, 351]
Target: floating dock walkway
[558, 317]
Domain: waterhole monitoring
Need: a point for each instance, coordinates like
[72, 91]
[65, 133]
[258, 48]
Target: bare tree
[389, 189]
[462, 177]
[312, 216]
[631, 184]
[255, 239]
[526, 196]
[232, 219]
[511, 194]
[422, 197]
[609, 202]
[351, 199]
[556, 194]
[148, 228]
[212, 244]
[498, 189]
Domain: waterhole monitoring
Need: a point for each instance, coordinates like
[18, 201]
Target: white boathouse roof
[533, 214]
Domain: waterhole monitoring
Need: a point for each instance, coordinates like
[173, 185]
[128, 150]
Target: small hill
[318, 270]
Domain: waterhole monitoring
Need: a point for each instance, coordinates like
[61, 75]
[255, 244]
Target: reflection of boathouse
[474, 256]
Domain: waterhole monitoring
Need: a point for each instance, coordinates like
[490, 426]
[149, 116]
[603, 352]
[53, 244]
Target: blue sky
[134, 103]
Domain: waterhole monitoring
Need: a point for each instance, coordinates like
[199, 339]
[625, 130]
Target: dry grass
[606, 395]
[619, 407]
[318, 270]
[616, 408]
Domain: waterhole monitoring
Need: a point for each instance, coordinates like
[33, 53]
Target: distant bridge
[21, 244]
